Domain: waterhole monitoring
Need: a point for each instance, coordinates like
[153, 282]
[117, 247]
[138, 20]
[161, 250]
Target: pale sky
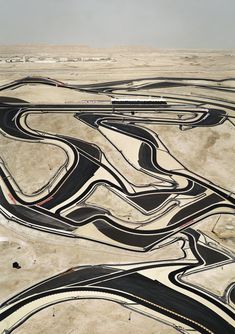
[104, 23]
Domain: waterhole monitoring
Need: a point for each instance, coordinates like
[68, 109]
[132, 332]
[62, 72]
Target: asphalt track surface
[44, 210]
[133, 284]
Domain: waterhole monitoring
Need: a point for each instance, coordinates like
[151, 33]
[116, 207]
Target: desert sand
[42, 255]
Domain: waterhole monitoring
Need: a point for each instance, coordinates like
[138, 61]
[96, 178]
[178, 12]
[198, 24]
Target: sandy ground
[80, 319]
[41, 255]
[128, 63]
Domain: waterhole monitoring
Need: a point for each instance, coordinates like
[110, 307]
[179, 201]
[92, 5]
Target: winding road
[172, 205]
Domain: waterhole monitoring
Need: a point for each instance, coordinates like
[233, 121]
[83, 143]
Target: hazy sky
[101, 23]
